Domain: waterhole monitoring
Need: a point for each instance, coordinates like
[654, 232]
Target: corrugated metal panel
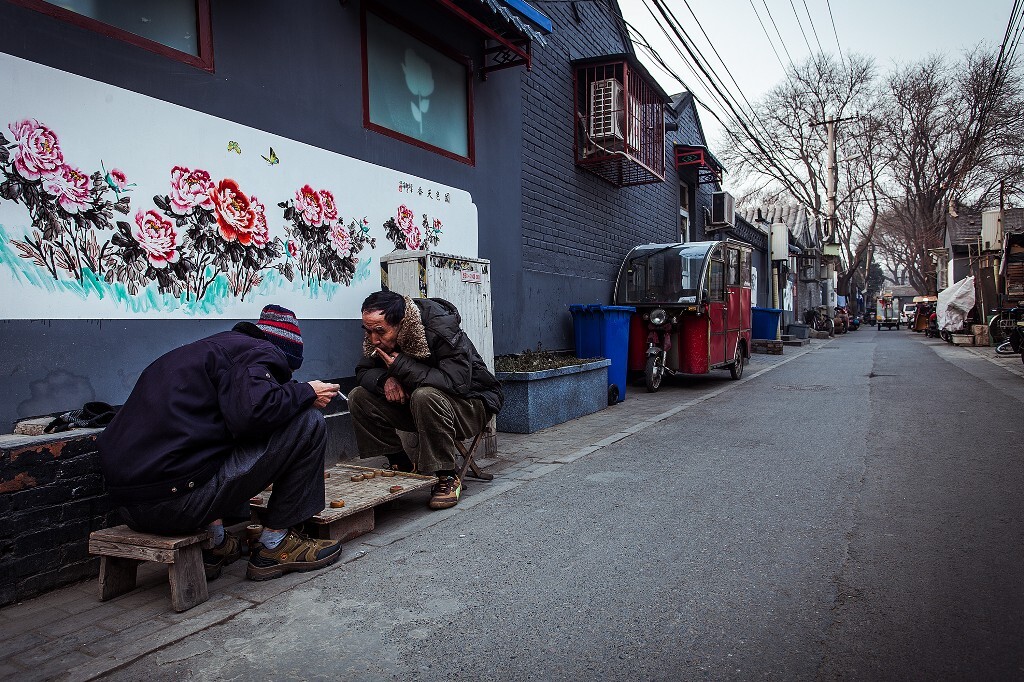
[525, 28]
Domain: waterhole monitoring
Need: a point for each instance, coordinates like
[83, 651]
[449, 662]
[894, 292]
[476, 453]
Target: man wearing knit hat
[212, 423]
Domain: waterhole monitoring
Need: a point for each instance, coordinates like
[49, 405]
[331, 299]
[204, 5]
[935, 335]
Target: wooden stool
[122, 550]
[469, 459]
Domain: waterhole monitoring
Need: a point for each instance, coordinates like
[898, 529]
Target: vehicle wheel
[613, 394]
[736, 368]
[1005, 348]
[999, 327]
[830, 327]
[653, 373]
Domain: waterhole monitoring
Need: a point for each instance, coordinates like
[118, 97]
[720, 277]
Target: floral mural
[320, 244]
[70, 210]
[403, 231]
[126, 206]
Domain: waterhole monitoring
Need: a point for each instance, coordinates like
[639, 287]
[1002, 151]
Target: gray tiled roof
[963, 229]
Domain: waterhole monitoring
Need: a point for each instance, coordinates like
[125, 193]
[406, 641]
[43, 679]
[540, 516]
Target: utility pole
[830, 233]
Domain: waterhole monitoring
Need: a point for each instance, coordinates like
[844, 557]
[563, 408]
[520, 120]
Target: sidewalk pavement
[68, 634]
[1011, 363]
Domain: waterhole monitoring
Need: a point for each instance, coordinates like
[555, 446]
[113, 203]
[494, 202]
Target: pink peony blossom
[70, 187]
[235, 217]
[293, 248]
[405, 218]
[330, 209]
[260, 230]
[309, 205]
[190, 188]
[158, 238]
[413, 237]
[38, 153]
[341, 240]
[119, 179]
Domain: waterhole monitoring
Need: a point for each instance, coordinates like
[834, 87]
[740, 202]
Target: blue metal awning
[527, 19]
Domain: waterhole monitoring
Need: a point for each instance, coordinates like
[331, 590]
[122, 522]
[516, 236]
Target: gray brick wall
[576, 225]
[51, 498]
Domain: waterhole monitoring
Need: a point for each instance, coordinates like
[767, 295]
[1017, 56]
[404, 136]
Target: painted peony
[235, 217]
[309, 205]
[410, 230]
[158, 238]
[293, 248]
[38, 153]
[70, 187]
[260, 230]
[330, 209]
[341, 241]
[405, 218]
[117, 179]
[189, 189]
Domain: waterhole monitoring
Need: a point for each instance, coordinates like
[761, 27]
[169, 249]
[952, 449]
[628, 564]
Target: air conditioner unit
[723, 209]
[606, 115]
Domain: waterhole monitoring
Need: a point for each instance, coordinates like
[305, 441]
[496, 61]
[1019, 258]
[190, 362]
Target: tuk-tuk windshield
[667, 273]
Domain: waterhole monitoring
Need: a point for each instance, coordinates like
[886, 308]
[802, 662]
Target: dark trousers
[292, 459]
[437, 417]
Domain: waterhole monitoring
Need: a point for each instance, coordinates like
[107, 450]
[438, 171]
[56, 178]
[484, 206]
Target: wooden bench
[122, 550]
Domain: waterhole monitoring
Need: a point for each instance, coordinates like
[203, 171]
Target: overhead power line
[833, 20]
[810, 20]
[765, 29]
[779, 33]
[810, 50]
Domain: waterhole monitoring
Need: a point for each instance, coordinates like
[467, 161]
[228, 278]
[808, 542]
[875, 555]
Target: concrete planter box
[537, 400]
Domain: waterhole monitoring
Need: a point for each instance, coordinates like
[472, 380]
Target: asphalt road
[852, 514]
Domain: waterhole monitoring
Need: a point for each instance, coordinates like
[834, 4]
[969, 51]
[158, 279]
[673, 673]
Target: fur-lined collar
[412, 336]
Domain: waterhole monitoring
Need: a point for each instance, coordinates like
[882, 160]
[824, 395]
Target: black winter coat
[190, 408]
[433, 351]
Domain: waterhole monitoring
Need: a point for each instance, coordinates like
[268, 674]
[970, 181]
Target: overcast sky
[891, 31]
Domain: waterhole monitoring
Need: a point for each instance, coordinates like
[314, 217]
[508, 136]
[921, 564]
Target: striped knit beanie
[282, 330]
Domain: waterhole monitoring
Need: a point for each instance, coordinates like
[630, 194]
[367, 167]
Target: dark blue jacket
[190, 408]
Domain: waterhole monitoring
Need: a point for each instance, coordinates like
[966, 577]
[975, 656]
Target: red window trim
[446, 50]
[204, 32]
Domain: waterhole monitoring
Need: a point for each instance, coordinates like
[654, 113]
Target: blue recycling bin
[602, 331]
[764, 322]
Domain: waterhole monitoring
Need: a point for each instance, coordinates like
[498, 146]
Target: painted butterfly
[272, 159]
[234, 147]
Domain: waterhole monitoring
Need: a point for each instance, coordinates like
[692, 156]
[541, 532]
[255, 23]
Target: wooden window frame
[204, 32]
[447, 51]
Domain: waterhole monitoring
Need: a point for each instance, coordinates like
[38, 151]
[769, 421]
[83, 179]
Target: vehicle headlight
[658, 316]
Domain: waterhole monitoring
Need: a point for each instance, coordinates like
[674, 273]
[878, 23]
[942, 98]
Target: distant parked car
[909, 310]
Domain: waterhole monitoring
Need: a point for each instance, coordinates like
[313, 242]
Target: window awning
[699, 158]
[513, 24]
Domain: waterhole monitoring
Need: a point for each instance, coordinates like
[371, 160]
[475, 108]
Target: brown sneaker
[296, 552]
[446, 492]
[216, 558]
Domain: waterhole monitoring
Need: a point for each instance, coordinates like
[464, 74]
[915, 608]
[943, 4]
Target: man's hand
[387, 357]
[324, 393]
[393, 391]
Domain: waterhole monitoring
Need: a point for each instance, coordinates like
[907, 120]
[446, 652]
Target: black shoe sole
[271, 572]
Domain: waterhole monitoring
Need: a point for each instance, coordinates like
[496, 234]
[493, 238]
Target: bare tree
[794, 167]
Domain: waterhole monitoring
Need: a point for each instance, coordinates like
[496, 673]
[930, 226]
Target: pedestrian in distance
[420, 373]
[213, 423]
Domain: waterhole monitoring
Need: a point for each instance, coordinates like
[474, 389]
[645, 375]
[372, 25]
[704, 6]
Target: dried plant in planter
[537, 361]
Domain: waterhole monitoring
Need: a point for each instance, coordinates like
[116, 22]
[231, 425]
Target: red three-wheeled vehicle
[692, 308]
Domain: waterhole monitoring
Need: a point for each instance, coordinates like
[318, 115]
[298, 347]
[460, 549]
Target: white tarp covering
[954, 304]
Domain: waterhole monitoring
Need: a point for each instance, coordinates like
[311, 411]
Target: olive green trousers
[438, 418]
